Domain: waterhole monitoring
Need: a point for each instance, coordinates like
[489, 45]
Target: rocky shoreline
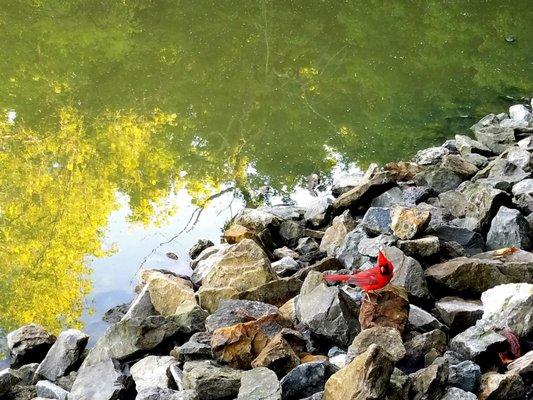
[256, 320]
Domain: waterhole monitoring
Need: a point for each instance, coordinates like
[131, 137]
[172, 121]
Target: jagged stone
[50, 390]
[285, 266]
[508, 228]
[28, 344]
[198, 347]
[453, 393]
[429, 383]
[377, 220]
[165, 394]
[459, 314]
[275, 292]
[476, 342]
[199, 246]
[348, 252]
[467, 145]
[210, 380]
[422, 321]
[153, 371]
[278, 355]
[112, 381]
[141, 306]
[306, 379]
[386, 337]
[496, 386]
[231, 312]
[335, 233]
[408, 273]
[496, 138]
[259, 384]
[459, 165]
[420, 345]
[390, 308]
[422, 247]
[290, 232]
[465, 375]
[522, 366]
[431, 155]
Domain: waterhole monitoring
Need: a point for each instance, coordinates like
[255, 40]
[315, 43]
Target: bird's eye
[384, 269]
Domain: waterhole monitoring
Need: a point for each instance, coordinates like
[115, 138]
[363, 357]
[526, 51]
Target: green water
[150, 98]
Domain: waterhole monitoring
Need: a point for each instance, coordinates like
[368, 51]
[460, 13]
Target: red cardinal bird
[372, 279]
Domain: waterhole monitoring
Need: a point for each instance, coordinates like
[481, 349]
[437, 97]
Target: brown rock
[334, 235]
[365, 378]
[307, 358]
[387, 337]
[277, 355]
[389, 307]
[167, 293]
[459, 165]
[405, 171]
[407, 222]
[496, 386]
[236, 233]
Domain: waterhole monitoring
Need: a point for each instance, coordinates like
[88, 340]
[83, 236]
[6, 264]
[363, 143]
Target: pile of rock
[256, 320]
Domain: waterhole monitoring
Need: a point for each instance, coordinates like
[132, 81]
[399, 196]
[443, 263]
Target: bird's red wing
[366, 278]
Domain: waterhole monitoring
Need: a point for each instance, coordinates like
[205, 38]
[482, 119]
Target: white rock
[153, 371]
[50, 390]
[518, 112]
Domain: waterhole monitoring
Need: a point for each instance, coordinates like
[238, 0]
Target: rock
[284, 211]
[466, 275]
[210, 380]
[398, 386]
[274, 292]
[190, 318]
[467, 145]
[28, 344]
[483, 201]
[422, 321]
[423, 247]
[377, 220]
[290, 232]
[50, 390]
[256, 220]
[236, 233]
[386, 337]
[471, 241]
[466, 375]
[113, 382]
[455, 202]
[477, 159]
[365, 378]
[519, 157]
[198, 347]
[429, 383]
[329, 313]
[64, 355]
[199, 246]
[342, 183]
[523, 187]
[335, 234]
[496, 138]
[431, 155]
[412, 195]
[502, 174]
[231, 312]
[306, 379]
[487, 120]
[453, 393]
[129, 337]
[240, 344]
[496, 386]
[8, 379]
[115, 314]
[371, 185]
[26, 374]
[316, 214]
[518, 112]
[420, 345]
[286, 266]
[522, 366]
[348, 253]
[165, 394]
[206, 261]
[438, 179]
[407, 273]
[307, 245]
[278, 355]
[242, 266]
[387, 199]
[259, 384]
[458, 314]
[153, 371]
[391, 308]
[508, 228]
[476, 342]
[371, 246]
[312, 280]
[326, 264]
[509, 306]
[141, 306]
[285, 252]
[459, 165]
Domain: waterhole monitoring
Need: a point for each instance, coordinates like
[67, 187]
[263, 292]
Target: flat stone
[422, 247]
[501, 386]
[153, 371]
[236, 233]
[231, 312]
[431, 155]
[286, 266]
[344, 182]
[64, 355]
[50, 390]
[210, 380]
[113, 382]
[508, 228]
[259, 384]
[386, 337]
[438, 179]
[306, 380]
[459, 165]
[377, 220]
[198, 347]
[523, 187]
[275, 292]
[522, 366]
[466, 144]
[256, 220]
[334, 235]
[389, 198]
[28, 344]
[141, 306]
[366, 377]
[459, 314]
[496, 138]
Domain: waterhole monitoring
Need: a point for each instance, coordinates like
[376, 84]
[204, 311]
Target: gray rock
[342, 183]
[466, 375]
[518, 112]
[412, 195]
[398, 386]
[165, 394]
[509, 228]
[256, 220]
[422, 247]
[326, 264]
[348, 253]
[520, 157]
[377, 220]
[420, 345]
[453, 393]
[142, 306]
[386, 337]
[487, 120]
[284, 211]
[190, 318]
[472, 241]
[467, 145]
[422, 321]
[199, 246]
[523, 187]
[50, 390]
[198, 347]
[510, 306]
[477, 159]
[329, 313]
[370, 246]
[459, 314]
[8, 379]
[429, 383]
[128, 337]
[459, 165]
[335, 234]
[438, 179]
[389, 198]
[286, 266]
[290, 232]
[502, 386]
[307, 245]
[284, 251]
[115, 314]
[259, 384]
[29, 344]
[431, 155]
[316, 213]
[26, 373]
[455, 202]
[316, 396]
[210, 380]
[231, 312]
[496, 138]
[64, 355]
[112, 382]
[503, 174]
[408, 273]
[153, 371]
[483, 201]
[306, 380]
[476, 341]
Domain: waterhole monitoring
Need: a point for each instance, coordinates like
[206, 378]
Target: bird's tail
[337, 278]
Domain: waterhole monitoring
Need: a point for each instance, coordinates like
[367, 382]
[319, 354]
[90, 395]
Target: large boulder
[510, 306]
[28, 344]
[365, 378]
[508, 228]
[105, 380]
[334, 235]
[390, 308]
[210, 380]
[477, 342]
[329, 313]
[259, 384]
[64, 355]
[458, 314]
[167, 293]
[306, 379]
[153, 371]
[386, 337]
[496, 138]
[241, 267]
